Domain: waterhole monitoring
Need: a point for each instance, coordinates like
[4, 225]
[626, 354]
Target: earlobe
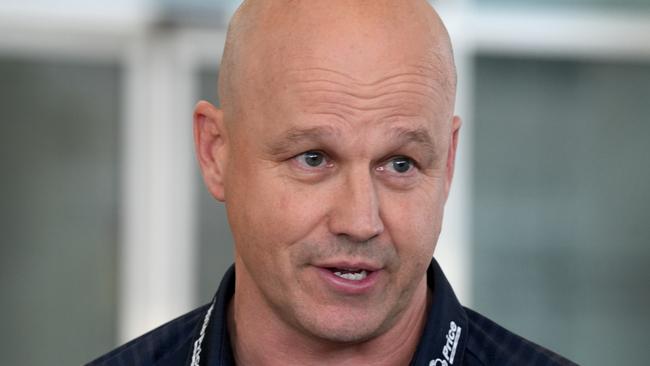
[451, 154]
[210, 144]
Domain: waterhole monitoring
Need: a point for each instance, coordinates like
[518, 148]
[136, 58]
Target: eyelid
[326, 159]
[414, 164]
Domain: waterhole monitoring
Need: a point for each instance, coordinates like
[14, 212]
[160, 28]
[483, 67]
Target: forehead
[318, 104]
[309, 91]
[401, 90]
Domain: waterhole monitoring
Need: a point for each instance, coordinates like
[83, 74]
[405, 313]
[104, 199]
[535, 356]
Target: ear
[210, 141]
[451, 154]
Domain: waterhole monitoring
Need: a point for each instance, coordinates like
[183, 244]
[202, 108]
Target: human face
[326, 175]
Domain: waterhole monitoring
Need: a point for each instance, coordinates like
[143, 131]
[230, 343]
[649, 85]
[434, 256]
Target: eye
[312, 159]
[399, 164]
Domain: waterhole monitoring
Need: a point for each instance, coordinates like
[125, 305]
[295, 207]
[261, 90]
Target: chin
[345, 335]
[348, 328]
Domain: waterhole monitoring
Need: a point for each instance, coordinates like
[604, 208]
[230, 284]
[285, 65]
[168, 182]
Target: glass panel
[562, 191]
[215, 240]
[612, 4]
[58, 206]
[221, 4]
[207, 12]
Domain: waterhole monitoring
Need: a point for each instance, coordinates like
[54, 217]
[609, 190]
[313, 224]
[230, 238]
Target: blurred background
[107, 230]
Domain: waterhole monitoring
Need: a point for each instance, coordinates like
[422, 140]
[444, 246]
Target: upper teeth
[353, 276]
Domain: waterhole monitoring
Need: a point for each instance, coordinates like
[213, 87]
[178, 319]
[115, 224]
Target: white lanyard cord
[196, 353]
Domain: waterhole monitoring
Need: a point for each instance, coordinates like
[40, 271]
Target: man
[334, 155]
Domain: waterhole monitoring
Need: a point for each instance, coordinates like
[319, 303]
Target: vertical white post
[157, 252]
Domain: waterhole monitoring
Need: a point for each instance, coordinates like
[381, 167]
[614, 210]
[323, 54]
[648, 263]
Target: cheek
[270, 213]
[413, 220]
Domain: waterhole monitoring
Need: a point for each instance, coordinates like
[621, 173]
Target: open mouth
[351, 278]
[352, 274]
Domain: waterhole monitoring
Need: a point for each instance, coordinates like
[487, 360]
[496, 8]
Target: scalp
[265, 37]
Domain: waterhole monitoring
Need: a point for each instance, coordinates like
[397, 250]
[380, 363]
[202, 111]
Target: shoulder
[491, 344]
[169, 344]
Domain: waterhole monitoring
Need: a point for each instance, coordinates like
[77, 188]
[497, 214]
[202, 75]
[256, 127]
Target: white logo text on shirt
[449, 349]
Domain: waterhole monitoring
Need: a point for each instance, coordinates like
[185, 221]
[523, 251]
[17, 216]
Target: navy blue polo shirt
[453, 335]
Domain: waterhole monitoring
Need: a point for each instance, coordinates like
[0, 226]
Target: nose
[355, 212]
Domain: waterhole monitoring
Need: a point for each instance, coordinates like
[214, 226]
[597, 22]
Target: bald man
[334, 155]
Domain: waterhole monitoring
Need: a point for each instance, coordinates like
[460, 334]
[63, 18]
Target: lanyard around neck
[196, 352]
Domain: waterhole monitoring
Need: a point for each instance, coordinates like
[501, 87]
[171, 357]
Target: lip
[349, 287]
[370, 267]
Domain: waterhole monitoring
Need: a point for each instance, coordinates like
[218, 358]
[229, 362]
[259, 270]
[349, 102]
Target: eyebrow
[418, 136]
[297, 135]
[400, 136]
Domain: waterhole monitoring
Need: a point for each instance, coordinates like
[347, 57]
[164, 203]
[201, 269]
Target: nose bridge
[357, 210]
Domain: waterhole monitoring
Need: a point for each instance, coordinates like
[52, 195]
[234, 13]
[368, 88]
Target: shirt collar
[442, 343]
[217, 348]
[445, 333]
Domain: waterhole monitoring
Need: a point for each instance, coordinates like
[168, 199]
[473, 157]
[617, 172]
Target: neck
[259, 337]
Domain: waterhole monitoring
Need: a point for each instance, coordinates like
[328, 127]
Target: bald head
[334, 148]
[360, 39]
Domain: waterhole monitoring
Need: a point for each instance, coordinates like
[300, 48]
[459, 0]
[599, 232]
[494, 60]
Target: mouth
[352, 274]
[350, 278]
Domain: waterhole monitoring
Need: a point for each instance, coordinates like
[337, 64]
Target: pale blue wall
[59, 150]
[561, 199]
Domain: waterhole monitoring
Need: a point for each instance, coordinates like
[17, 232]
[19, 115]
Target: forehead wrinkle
[430, 77]
[352, 114]
[312, 93]
[356, 112]
[391, 115]
[330, 88]
[352, 108]
[324, 70]
[380, 87]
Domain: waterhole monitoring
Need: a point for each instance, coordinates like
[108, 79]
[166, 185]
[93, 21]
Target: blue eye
[399, 165]
[313, 159]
